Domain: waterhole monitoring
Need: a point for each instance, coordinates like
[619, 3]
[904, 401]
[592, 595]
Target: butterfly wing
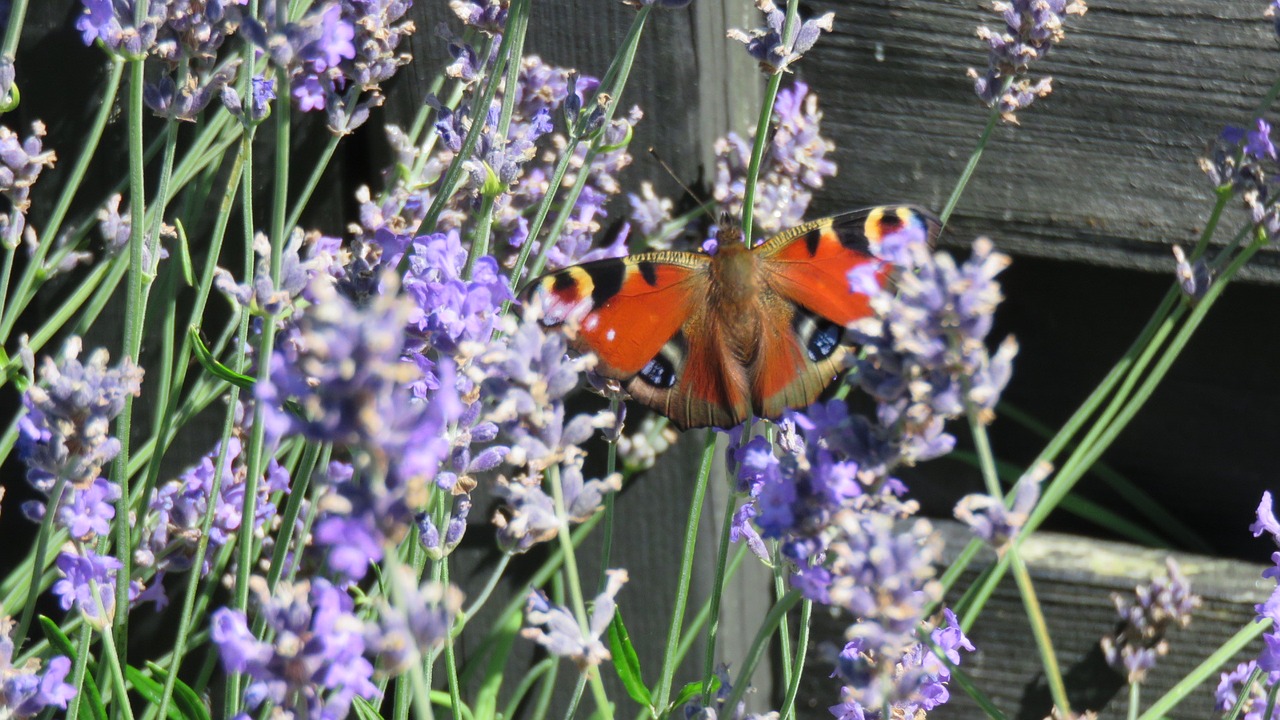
[645, 318]
[808, 301]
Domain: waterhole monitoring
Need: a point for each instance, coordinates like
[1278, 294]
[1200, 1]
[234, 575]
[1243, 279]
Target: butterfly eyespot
[819, 336]
[659, 372]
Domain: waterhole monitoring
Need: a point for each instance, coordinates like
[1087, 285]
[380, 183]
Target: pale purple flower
[993, 522]
[111, 23]
[254, 109]
[86, 513]
[65, 432]
[171, 529]
[1146, 619]
[346, 369]
[916, 684]
[555, 628]
[1031, 28]
[488, 16]
[117, 228]
[196, 29]
[1255, 705]
[1193, 278]
[169, 100]
[21, 162]
[380, 28]
[1258, 141]
[767, 44]
[29, 689]
[930, 327]
[315, 664]
[449, 309]
[88, 584]
[795, 164]
[416, 619]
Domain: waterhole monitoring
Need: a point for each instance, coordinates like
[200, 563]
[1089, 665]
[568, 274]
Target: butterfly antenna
[703, 205]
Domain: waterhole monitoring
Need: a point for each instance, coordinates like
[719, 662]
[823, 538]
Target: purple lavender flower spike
[111, 23]
[65, 431]
[316, 664]
[996, 524]
[21, 162]
[766, 44]
[487, 16]
[1194, 279]
[795, 164]
[417, 620]
[554, 627]
[1266, 521]
[25, 691]
[1255, 704]
[1032, 27]
[1146, 619]
[82, 575]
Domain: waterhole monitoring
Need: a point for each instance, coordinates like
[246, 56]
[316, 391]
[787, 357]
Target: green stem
[1040, 631]
[802, 648]
[663, 691]
[479, 111]
[762, 128]
[574, 583]
[992, 118]
[1207, 669]
[135, 314]
[758, 645]
[106, 107]
[717, 592]
[37, 565]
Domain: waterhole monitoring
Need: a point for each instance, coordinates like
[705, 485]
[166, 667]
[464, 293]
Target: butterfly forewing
[623, 309]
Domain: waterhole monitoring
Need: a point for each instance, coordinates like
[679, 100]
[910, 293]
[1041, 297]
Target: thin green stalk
[135, 314]
[1040, 631]
[106, 106]
[758, 645]
[1209, 667]
[784, 625]
[13, 29]
[479, 109]
[610, 499]
[802, 648]
[37, 565]
[575, 697]
[762, 128]
[194, 578]
[992, 118]
[615, 80]
[5, 275]
[255, 460]
[576, 600]
[717, 592]
[1135, 699]
[313, 181]
[526, 683]
[662, 694]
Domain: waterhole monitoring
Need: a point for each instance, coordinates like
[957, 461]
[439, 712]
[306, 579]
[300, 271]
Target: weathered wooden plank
[1074, 580]
[1103, 170]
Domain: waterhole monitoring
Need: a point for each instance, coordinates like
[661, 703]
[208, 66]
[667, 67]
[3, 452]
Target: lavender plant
[376, 382]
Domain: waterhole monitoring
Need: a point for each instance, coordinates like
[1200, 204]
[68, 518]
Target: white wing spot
[610, 335]
[590, 323]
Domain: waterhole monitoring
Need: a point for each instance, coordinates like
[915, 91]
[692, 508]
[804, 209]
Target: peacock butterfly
[708, 340]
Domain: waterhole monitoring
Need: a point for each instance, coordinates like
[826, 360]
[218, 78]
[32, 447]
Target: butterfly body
[710, 340]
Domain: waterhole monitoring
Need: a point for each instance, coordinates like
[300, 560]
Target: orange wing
[623, 309]
[810, 263]
[808, 302]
